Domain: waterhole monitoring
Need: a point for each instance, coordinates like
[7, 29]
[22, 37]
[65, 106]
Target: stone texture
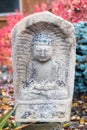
[43, 66]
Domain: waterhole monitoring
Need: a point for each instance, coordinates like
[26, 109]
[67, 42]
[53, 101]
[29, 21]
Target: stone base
[45, 126]
[56, 111]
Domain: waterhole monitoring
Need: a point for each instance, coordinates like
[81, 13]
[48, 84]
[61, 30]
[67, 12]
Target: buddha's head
[42, 49]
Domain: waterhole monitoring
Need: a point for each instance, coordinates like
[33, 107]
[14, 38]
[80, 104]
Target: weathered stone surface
[43, 67]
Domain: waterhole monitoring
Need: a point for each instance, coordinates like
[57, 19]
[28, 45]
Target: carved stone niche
[43, 56]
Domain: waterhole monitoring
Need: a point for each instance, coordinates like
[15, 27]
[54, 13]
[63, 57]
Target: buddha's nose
[42, 52]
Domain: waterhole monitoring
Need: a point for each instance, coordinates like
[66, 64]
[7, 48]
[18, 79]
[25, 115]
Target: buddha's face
[42, 53]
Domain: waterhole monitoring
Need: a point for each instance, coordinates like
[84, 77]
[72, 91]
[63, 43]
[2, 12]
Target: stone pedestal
[45, 126]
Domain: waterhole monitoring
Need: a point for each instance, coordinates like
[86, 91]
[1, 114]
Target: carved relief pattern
[43, 63]
[41, 112]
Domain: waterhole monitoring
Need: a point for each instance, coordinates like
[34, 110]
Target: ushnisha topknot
[41, 38]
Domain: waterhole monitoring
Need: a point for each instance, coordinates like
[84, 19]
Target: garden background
[75, 11]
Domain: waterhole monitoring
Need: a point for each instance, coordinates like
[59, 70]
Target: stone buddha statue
[43, 58]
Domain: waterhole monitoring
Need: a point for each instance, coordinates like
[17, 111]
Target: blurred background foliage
[75, 11]
[81, 58]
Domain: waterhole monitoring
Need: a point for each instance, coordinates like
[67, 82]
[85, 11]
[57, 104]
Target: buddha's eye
[46, 50]
[39, 50]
